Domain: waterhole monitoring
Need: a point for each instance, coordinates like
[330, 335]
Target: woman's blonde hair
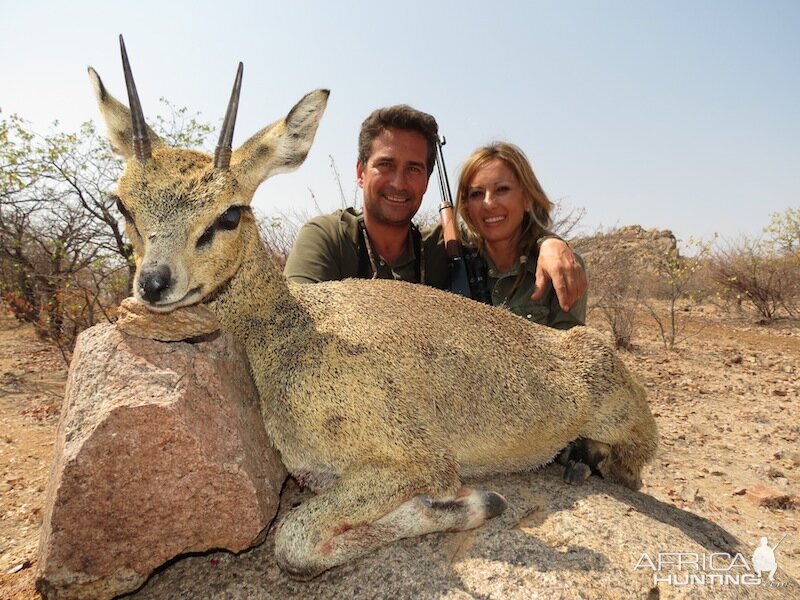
[536, 221]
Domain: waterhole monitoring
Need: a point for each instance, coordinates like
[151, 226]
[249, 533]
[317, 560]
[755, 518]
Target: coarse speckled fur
[380, 394]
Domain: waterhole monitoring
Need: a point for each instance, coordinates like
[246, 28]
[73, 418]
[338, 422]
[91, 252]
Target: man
[396, 156]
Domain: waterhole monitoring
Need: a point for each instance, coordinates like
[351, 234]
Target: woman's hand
[558, 264]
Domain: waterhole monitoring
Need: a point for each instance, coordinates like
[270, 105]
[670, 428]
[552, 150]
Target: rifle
[779, 542]
[467, 271]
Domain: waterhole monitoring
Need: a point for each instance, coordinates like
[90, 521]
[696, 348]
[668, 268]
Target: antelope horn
[222, 155]
[141, 142]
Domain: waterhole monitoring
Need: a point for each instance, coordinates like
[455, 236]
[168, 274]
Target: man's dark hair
[400, 116]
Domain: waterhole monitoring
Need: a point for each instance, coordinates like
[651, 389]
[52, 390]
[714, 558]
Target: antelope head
[188, 213]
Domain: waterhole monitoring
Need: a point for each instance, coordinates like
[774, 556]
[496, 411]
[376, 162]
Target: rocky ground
[32, 377]
[726, 402]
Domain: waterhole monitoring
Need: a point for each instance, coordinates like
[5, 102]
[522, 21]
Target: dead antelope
[381, 395]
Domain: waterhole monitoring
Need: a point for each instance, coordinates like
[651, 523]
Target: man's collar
[408, 254]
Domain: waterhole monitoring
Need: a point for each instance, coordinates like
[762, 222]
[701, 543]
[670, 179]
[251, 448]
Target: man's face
[395, 177]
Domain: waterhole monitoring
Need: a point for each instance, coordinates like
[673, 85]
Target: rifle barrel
[444, 182]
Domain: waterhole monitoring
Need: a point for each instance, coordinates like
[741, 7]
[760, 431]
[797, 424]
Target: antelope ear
[117, 117]
[281, 147]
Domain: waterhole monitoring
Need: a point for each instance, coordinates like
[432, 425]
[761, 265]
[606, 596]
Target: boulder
[160, 451]
[554, 541]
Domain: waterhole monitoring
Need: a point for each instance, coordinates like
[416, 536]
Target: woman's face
[495, 202]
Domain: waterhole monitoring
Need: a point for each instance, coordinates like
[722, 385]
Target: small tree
[619, 265]
[755, 274]
[674, 283]
[616, 292]
[784, 230]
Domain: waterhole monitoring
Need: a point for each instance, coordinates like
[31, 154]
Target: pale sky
[681, 115]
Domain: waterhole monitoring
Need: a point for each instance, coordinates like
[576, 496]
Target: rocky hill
[640, 246]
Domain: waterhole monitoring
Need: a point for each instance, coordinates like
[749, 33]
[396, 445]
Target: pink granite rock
[187, 322]
[160, 451]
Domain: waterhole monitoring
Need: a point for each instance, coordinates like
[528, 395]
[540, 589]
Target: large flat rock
[554, 541]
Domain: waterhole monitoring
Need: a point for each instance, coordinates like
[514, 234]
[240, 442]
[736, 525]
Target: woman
[505, 211]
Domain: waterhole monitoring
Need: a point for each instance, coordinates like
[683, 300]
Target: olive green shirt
[327, 249]
[546, 311]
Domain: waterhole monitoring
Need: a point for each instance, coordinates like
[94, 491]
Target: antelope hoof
[563, 457]
[576, 473]
[493, 503]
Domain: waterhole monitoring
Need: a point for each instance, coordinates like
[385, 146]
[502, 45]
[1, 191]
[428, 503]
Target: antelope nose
[154, 282]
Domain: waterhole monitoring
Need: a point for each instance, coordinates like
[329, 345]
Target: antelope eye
[230, 218]
[226, 221]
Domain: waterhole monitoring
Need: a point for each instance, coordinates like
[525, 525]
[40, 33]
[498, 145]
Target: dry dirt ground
[726, 402]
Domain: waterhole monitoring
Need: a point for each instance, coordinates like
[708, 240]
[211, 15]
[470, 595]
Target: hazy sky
[670, 114]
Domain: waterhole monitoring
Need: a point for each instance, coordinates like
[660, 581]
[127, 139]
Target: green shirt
[327, 249]
[546, 311]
